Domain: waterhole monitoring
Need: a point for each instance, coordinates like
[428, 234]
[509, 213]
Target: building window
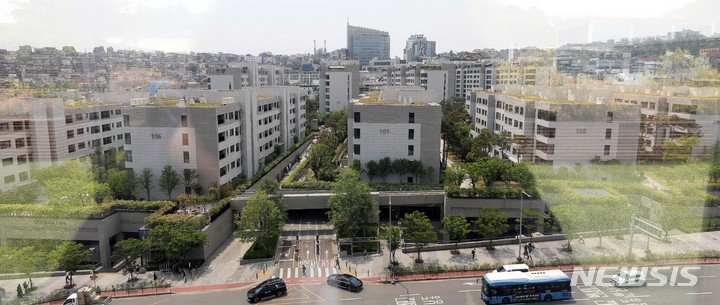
[356, 133]
[356, 117]
[128, 156]
[9, 179]
[128, 139]
[70, 134]
[356, 149]
[19, 143]
[186, 157]
[78, 117]
[608, 133]
[221, 119]
[107, 140]
[411, 118]
[5, 144]
[607, 150]
[68, 119]
[7, 161]
[23, 176]
[81, 145]
[411, 150]
[411, 134]
[22, 159]
[609, 116]
[126, 120]
[185, 139]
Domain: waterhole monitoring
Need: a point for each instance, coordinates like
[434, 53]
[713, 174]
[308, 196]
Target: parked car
[628, 278]
[272, 288]
[345, 281]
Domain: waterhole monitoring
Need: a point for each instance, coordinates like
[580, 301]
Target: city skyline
[285, 28]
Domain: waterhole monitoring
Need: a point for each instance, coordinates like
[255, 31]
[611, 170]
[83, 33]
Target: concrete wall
[470, 207]
[218, 232]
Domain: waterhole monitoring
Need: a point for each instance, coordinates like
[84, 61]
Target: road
[458, 291]
[309, 244]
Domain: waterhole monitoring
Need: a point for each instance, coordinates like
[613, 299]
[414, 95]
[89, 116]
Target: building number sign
[385, 131]
[156, 136]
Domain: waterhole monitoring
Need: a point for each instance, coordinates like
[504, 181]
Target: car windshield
[354, 281]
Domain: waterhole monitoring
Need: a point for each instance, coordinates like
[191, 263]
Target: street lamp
[390, 228]
[522, 194]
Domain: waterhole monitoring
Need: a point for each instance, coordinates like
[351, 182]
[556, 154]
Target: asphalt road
[465, 291]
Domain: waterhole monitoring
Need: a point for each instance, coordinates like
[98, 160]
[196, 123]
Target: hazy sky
[290, 26]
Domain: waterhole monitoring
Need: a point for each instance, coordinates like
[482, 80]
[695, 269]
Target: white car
[628, 278]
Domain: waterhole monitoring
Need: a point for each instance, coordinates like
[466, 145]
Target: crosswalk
[309, 272]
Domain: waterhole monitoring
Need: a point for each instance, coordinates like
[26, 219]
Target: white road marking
[706, 276]
[470, 290]
[696, 293]
[281, 273]
[350, 299]
[409, 295]
[158, 302]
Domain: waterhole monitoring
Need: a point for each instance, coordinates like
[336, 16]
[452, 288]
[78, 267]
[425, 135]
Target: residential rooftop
[373, 98]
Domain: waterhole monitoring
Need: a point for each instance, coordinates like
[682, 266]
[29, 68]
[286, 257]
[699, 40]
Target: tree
[521, 173]
[70, 256]
[493, 169]
[271, 187]
[602, 218]
[669, 217]
[371, 169]
[680, 149]
[69, 183]
[456, 227]
[395, 242]
[350, 204]
[490, 223]
[28, 260]
[481, 145]
[401, 167]
[569, 220]
[175, 241]
[522, 142]
[531, 221]
[320, 156]
[384, 167]
[169, 179]
[190, 177]
[130, 250]
[145, 181]
[417, 169]
[463, 141]
[122, 184]
[260, 220]
[417, 228]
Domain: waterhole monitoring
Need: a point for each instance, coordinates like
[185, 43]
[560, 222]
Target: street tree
[569, 218]
[271, 187]
[456, 227]
[394, 242]
[130, 250]
[384, 167]
[350, 204]
[532, 220]
[669, 217]
[169, 180]
[175, 241]
[29, 260]
[70, 256]
[416, 227]
[145, 181]
[491, 222]
[260, 220]
[190, 177]
[603, 218]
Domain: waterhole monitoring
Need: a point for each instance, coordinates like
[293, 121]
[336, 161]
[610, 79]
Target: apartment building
[221, 134]
[244, 74]
[471, 75]
[37, 132]
[380, 127]
[560, 128]
[432, 76]
[339, 83]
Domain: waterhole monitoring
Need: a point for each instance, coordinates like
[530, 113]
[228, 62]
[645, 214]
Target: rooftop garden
[373, 98]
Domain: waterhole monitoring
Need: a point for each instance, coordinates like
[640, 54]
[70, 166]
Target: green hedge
[487, 192]
[295, 173]
[317, 185]
[83, 212]
[380, 186]
[219, 207]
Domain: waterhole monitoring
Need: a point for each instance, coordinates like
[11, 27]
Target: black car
[267, 289]
[345, 281]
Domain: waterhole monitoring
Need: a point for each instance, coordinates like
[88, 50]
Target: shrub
[257, 252]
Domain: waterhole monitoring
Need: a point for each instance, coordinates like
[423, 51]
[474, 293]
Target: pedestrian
[525, 252]
[184, 276]
[473, 253]
[19, 291]
[530, 247]
[337, 262]
[25, 286]
[582, 240]
[154, 276]
[303, 270]
[364, 253]
[67, 277]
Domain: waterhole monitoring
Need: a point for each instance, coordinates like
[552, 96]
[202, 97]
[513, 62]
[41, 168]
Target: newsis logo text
[654, 276]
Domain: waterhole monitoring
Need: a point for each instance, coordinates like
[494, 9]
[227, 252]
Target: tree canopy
[350, 204]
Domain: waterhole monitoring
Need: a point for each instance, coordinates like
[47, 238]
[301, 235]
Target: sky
[290, 26]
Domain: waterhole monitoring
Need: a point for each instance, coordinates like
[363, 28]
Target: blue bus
[511, 287]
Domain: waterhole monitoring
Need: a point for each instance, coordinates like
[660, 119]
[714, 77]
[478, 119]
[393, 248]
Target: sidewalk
[223, 269]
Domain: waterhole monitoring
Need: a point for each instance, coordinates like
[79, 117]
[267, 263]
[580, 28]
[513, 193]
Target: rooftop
[80, 104]
[537, 98]
[373, 98]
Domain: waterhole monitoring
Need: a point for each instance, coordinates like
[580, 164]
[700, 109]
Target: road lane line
[706, 276]
[158, 302]
[470, 290]
[296, 271]
[699, 293]
[281, 273]
[409, 295]
[350, 299]
[319, 272]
